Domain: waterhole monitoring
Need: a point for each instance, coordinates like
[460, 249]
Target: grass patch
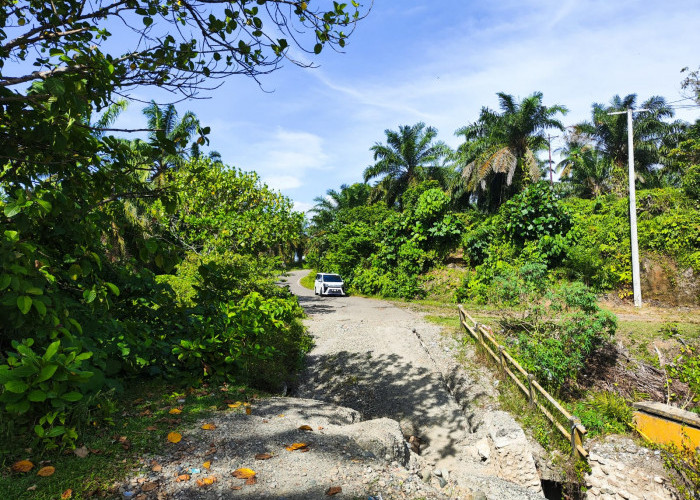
[136, 425]
[308, 280]
[642, 338]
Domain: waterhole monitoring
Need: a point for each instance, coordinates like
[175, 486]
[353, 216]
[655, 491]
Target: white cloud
[300, 206]
[282, 182]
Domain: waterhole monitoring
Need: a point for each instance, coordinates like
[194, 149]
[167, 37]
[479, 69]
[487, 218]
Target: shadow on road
[383, 386]
[314, 305]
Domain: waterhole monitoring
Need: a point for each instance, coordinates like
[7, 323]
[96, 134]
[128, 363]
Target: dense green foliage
[126, 258]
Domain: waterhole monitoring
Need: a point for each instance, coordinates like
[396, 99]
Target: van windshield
[332, 279]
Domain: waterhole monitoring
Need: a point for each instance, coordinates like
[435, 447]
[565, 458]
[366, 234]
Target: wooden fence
[525, 381]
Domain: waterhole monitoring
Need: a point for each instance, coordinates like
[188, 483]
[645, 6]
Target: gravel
[378, 377]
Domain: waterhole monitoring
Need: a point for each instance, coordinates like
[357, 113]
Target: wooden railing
[526, 382]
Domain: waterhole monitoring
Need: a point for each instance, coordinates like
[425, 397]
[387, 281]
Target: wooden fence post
[479, 335]
[503, 360]
[530, 390]
[576, 438]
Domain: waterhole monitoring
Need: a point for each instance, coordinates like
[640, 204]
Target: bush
[604, 413]
[691, 182]
[558, 332]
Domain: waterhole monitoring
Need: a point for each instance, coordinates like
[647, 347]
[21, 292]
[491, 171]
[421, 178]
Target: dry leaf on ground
[67, 494]
[206, 481]
[174, 437]
[263, 456]
[151, 428]
[251, 480]
[157, 468]
[297, 446]
[175, 411]
[32, 488]
[248, 410]
[206, 465]
[22, 466]
[81, 452]
[124, 441]
[46, 471]
[209, 427]
[243, 473]
[235, 405]
[182, 477]
[149, 487]
[236, 488]
[305, 428]
[333, 490]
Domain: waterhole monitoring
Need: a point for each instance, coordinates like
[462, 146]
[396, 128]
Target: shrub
[558, 332]
[691, 182]
[604, 413]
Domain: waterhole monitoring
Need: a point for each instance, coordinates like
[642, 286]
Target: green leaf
[16, 386]
[51, 351]
[39, 430]
[19, 407]
[47, 371]
[40, 307]
[5, 280]
[59, 430]
[112, 288]
[45, 205]
[72, 396]
[37, 396]
[34, 291]
[12, 209]
[89, 295]
[24, 303]
[318, 48]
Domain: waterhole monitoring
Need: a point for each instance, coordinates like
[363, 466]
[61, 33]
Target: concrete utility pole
[636, 285]
[549, 147]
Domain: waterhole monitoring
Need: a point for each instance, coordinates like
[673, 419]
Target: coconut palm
[609, 134]
[409, 156]
[327, 207]
[164, 122]
[585, 168]
[499, 153]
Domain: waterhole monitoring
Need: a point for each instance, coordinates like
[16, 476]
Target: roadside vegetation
[125, 260]
[541, 262]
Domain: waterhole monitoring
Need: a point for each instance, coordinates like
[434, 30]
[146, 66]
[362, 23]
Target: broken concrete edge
[669, 412]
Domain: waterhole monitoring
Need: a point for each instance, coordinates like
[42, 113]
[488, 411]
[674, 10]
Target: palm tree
[409, 156]
[498, 155]
[165, 124]
[584, 167]
[327, 207]
[609, 133]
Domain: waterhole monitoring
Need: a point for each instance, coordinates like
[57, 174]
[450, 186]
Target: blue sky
[440, 62]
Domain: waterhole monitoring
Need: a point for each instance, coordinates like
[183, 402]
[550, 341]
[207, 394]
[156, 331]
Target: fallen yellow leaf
[243, 473]
[67, 494]
[235, 405]
[46, 471]
[206, 465]
[22, 466]
[208, 427]
[305, 428]
[248, 410]
[206, 481]
[174, 437]
[182, 477]
[297, 446]
[175, 411]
